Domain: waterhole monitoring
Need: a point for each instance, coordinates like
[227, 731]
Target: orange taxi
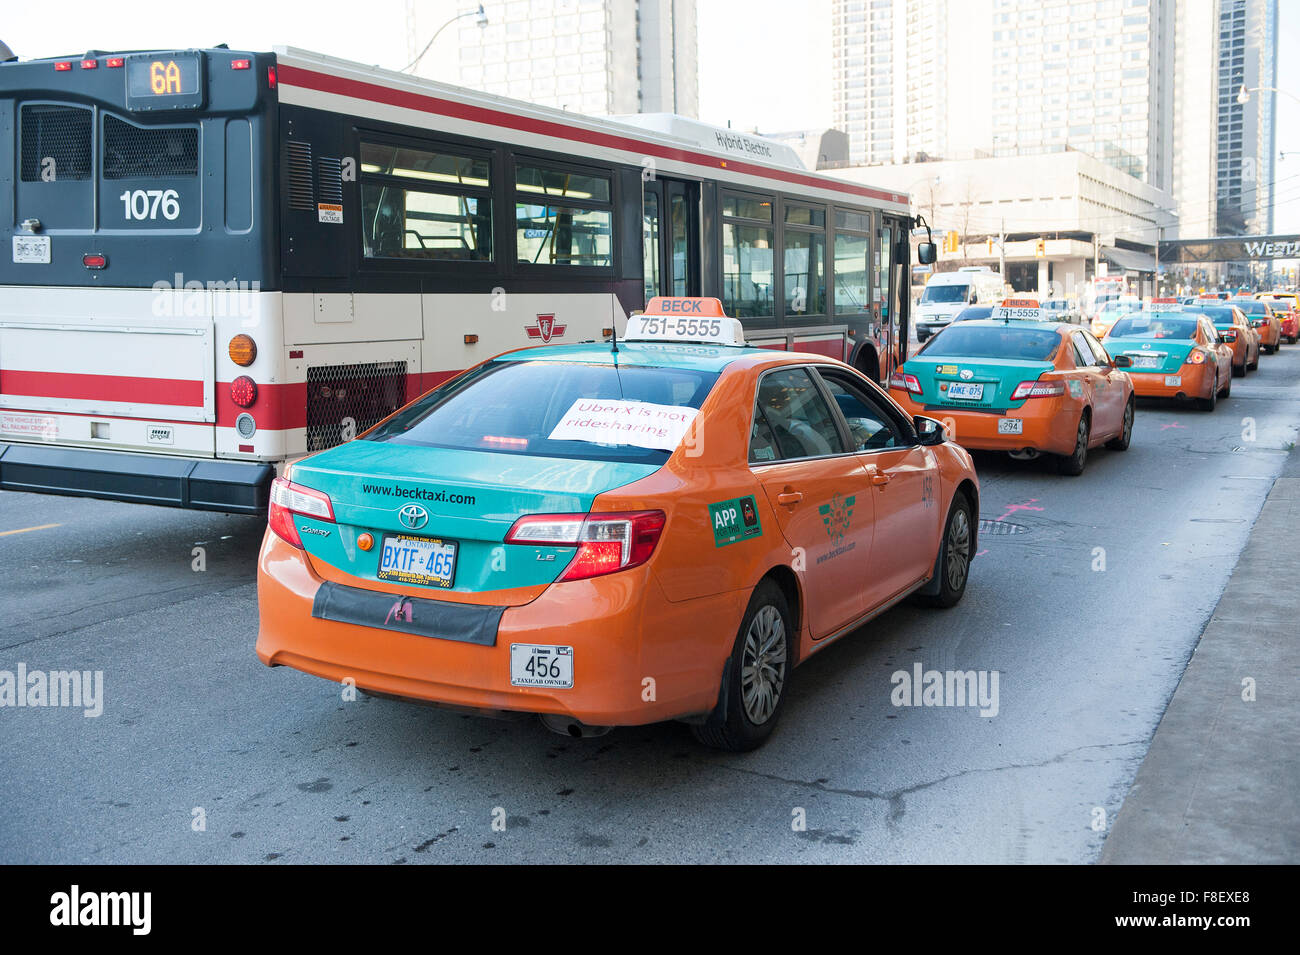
[611, 534]
[1234, 328]
[1014, 383]
[1264, 320]
[1287, 307]
[1173, 354]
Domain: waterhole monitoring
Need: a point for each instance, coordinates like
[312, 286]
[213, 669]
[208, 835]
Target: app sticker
[734, 520]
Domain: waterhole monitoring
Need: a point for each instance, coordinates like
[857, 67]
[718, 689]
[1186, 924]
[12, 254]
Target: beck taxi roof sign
[1018, 308]
[680, 319]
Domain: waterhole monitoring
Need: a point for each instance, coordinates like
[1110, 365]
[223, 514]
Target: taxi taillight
[1195, 357]
[606, 543]
[1038, 389]
[288, 499]
[906, 382]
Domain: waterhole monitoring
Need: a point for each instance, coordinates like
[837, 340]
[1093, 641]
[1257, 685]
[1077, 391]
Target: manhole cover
[1002, 528]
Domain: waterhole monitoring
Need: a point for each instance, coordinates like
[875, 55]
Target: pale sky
[763, 63]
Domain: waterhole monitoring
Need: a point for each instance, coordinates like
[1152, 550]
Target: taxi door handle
[789, 497]
[878, 478]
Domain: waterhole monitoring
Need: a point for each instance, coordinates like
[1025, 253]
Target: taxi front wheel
[757, 677]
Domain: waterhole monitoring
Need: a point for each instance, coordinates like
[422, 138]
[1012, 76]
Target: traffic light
[1040, 248]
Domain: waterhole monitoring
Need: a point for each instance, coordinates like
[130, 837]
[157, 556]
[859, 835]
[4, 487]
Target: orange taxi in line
[1014, 383]
[1264, 320]
[1173, 354]
[1234, 328]
[1287, 307]
[611, 534]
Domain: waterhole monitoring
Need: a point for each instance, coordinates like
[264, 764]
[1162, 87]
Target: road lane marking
[24, 530]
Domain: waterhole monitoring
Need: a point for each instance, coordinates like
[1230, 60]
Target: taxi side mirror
[926, 253]
[928, 431]
[1122, 361]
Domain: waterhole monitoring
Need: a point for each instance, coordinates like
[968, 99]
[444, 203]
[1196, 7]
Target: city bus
[224, 260]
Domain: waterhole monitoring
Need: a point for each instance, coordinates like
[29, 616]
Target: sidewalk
[1221, 782]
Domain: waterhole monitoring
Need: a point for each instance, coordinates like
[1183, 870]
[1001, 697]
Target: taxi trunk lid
[992, 380]
[1164, 356]
[467, 499]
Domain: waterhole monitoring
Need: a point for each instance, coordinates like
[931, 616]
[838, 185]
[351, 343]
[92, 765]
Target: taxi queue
[529, 537]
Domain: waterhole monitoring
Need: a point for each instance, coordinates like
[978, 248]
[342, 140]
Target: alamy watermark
[83, 689]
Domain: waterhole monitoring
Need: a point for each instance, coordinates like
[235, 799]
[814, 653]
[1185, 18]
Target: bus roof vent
[57, 135]
[297, 175]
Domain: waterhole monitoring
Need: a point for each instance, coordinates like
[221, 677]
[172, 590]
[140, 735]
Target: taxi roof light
[684, 319]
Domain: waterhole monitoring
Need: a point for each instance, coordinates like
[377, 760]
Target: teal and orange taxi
[1264, 320]
[1015, 383]
[1233, 328]
[1287, 307]
[1173, 354]
[615, 533]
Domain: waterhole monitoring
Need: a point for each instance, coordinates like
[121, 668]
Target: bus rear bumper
[236, 487]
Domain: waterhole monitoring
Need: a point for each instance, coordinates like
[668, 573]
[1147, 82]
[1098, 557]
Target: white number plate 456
[541, 666]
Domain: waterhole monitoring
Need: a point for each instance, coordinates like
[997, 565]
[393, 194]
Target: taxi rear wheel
[1073, 464]
[954, 556]
[1125, 437]
[758, 675]
[1208, 404]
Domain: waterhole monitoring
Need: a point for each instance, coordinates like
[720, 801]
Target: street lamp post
[482, 22]
[1243, 95]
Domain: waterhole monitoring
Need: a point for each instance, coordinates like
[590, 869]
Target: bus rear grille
[344, 400]
[57, 133]
[140, 152]
[297, 175]
[330, 179]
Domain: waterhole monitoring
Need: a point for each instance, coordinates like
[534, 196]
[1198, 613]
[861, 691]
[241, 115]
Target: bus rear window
[56, 142]
[143, 152]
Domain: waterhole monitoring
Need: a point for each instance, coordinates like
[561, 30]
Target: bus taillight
[243, 391]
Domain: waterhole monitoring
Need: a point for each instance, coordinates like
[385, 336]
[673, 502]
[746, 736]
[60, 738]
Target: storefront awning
[1130, 261]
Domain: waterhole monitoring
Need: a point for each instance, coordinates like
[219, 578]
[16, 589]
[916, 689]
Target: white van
[947, 293]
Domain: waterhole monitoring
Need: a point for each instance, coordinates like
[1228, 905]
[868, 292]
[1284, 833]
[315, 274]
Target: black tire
[741, 724]
[953, 564]
[1291, 340]
[1210, 403]
[1239, 372]
[1227, 387]
[1126, 430]
[1073, 464]
[1255, 367]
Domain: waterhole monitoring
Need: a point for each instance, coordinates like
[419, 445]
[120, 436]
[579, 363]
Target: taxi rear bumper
[1047, 424]
[1194, 381]
[622, 629]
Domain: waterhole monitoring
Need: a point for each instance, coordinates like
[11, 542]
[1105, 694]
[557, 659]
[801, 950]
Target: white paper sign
[45, 427]
[618, 421]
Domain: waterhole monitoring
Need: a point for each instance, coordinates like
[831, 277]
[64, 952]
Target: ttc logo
[545, 329]
[837, 515]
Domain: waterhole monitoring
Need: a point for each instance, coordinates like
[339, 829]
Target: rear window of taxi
[993, 341]
[1154, 326]
[532, 408]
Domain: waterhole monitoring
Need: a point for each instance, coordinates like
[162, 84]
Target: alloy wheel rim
[958, 557]
[762, 666]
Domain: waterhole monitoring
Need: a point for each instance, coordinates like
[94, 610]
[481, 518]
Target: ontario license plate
[968, 392]
[32, 249]
[1146, 361]
[418, 560]
[1173, 381]
[534, 665]
[1011, 426]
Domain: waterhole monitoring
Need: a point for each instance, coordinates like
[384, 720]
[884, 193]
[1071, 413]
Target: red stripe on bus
[358, 89]
[277, 408]
[79, 387]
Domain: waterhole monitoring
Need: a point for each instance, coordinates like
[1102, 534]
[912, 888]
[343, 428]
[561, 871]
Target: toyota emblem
[413, 516]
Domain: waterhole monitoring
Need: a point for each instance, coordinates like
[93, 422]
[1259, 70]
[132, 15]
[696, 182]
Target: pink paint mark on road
[1027, 506]
[1172, 424]
[982, 552]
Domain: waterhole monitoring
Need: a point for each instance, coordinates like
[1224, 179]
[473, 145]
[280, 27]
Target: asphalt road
[284, 771]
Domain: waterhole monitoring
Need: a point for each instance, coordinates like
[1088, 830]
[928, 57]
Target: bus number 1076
[144, 204]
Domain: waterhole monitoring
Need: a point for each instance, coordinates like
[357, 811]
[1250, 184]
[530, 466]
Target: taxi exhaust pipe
[1024, 454]
[568, 726]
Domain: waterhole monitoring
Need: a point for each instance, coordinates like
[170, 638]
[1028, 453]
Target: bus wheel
[868, 364]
